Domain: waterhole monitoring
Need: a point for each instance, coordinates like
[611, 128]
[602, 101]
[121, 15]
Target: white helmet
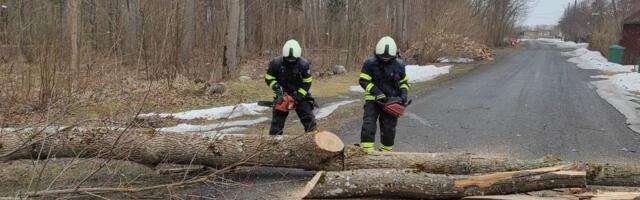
[291, 51]
[386, 49]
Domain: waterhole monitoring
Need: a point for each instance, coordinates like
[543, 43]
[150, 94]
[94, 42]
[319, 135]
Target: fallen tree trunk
[148, 147]
[322, 151]
[466, 163]
[408, 183]
[588, 195]
[436, 163]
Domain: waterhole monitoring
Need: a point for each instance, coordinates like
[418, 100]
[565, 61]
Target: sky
[545, 12]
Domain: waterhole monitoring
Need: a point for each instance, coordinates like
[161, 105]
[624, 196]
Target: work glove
[404, 95]
[313, 102]
[297, 96]
[394, 100]
[382, 98]
[279, 94]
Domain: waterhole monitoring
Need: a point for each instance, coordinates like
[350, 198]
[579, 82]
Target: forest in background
[60, 51]
[598, 22]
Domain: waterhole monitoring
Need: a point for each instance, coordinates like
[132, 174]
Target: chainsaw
[395, 107]
[286, 105]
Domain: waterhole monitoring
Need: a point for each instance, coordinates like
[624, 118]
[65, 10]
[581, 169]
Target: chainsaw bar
[266, 103]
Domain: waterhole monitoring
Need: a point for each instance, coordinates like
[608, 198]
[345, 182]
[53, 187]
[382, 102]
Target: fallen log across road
[411, 183]
[148, 147]
[320, 151]
[605, 174]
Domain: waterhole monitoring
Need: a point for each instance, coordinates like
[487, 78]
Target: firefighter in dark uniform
[289, 76]
[383, 79]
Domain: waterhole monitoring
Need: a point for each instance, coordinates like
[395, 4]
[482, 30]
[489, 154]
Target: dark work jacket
[387, 78]
[292, 77]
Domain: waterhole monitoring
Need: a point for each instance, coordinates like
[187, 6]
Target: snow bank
[562, 44]
[615, 89]
[211, 127]
[229, 112]
[425, 73]
[627, 81]
[356, 88]
[565, 45]
[587, 59]
[218, 134]
[576, 53]
[622, 100]
[328, 109]
[455, 60]
[549, 40]
[416, 74]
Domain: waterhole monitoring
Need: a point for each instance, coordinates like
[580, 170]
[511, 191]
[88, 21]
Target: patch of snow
[570, 44]
[455, 60]
[214, 113]
[218, 134]
[211, 127]
[548, 40]
[425, 73]
[416, 74]
[327, 110]
[587, 59]
[356, 88]
[627, 81]
[622, 100]
[576, 53]
[562, 44]
[615, 89]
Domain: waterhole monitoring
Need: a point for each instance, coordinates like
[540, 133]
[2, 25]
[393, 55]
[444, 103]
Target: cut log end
[328, 141]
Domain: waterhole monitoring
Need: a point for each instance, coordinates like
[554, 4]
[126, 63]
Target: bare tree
[231, 63]
[74, 29]
[131, 23]
[188, 31]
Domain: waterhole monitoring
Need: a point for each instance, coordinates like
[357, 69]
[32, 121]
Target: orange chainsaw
[287, 104]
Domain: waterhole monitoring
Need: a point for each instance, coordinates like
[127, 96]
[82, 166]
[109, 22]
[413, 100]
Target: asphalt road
[531, 103]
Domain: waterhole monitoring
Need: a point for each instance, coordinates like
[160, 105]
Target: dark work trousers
[373, 112]
[305, 113]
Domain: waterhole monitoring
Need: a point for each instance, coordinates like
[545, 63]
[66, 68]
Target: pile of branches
[343, 171]
[442, 44]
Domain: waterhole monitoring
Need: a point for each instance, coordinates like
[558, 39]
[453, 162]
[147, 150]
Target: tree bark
[131, 29]
[242, 29]
[148, 147]
[465, 163]
[437, 163]
[411, 183]
[232, 39]
[74, 29]
[188, 31]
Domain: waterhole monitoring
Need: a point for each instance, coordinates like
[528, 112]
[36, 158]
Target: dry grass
[16, 175]
[118, 92]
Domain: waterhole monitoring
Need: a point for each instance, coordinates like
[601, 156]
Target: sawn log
[308, 151]
[411, 183]
[605, 174]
